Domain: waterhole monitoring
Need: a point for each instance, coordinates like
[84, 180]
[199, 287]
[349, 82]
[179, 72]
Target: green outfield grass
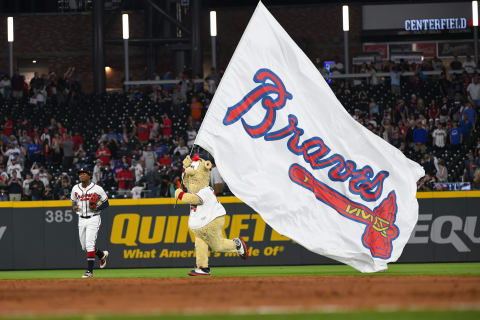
[437, 269]
[399, 315]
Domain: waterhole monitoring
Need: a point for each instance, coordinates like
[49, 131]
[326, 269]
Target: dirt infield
[218, 294]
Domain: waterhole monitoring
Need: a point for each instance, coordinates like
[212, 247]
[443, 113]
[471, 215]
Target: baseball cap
[84, 170]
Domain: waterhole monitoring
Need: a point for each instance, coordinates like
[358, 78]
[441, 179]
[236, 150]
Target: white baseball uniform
[210, 208]
[88, 220]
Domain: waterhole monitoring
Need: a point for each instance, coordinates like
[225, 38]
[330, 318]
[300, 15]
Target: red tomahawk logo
[380, 230]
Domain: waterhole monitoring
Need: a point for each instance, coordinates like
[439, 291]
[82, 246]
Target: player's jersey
[203, 214]
[80, 197]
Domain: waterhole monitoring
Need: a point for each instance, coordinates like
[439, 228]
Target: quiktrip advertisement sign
[154, 233]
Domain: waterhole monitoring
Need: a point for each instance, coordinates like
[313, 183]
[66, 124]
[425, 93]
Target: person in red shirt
[124, 180]
[166, 126]
[103, 153]
[433, 110]
[77, 140]
[144, 131]
[8, 126]
[165, 160]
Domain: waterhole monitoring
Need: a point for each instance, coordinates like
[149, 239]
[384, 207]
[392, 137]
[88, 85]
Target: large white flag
[286, 147]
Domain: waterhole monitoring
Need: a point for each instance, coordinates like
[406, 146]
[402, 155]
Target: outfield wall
[154, 233]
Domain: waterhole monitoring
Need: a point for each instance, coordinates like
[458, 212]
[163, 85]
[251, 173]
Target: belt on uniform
[88, 217]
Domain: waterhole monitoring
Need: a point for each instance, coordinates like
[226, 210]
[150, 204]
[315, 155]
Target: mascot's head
[196, 174]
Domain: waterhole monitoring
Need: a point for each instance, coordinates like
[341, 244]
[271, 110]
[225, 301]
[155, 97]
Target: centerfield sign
[152, 233]
[435, 24]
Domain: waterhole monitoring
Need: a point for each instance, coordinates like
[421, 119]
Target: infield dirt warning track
[41, 297]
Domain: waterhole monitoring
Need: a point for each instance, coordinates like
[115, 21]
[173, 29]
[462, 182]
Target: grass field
[434, 269]
[387, 315]
[438, 269]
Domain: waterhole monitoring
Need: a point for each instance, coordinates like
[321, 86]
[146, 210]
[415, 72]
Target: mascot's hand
[187, 162]
[177, 193]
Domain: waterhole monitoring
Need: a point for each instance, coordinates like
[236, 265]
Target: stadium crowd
[135, 141]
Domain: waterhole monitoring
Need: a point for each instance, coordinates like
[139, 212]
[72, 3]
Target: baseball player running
[88, 200]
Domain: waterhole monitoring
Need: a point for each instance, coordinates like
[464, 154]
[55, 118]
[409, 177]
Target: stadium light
[346, 22]
[10, 44]
[346, 28]
[213, 23]
[475, 13]
[475, 29]
[213, 35]
[126, 35]
[10, 29]
[126, 32]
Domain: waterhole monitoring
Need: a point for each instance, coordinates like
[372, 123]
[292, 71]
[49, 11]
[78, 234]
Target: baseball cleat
[103, 261]
[242, 249]
[88, 274]
[199, 272]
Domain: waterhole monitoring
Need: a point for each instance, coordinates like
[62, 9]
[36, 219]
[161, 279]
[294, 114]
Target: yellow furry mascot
[207, 215]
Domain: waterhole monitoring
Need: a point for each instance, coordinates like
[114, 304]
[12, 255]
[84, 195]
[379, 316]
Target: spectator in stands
[139, 169]
[97, 172]
[395, 80]
[196, 109]
[166, 126]
[181, 148]
[154, 132]
[433, 110]
[137, 190]
[174, 186]
[125, 180]
[427, 163]
[3, 185]
[34, 152]
[473, 90]
[166, 160]
[191, 135]
[456, 136]
[14, 166]
[103, 153]
[471, 113]
[420, 137]
[108, 177]
[469, 65]
[439, 136]
[15, 186]
[27, 193]
[18, 83]
[149, 157]
[67, 150]
[62, 187]
[466, 127]
[212, 81]
[79, 157]
[144, 128]
[160, 148]
[56, 148]
[455, 64]
[427, 183]
[154, 179]
[77, 140]
[445, 110]
[442, 172]
[37, 187]
[471, 165]
[5, 87]
[8, 126]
